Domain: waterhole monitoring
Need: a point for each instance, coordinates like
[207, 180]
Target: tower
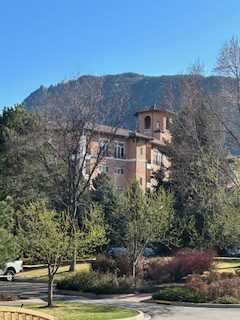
[155, 122]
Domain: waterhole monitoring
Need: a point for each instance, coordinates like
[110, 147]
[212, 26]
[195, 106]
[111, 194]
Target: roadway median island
[85, 311]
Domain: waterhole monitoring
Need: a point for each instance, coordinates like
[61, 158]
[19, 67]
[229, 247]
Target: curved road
[158, 312]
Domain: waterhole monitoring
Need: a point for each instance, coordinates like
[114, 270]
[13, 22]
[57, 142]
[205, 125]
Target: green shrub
[179, 294]
[77, 281]
[99, 283]
[227, 300]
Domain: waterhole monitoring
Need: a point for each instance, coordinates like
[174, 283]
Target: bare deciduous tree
[228, 65]
[73, 144]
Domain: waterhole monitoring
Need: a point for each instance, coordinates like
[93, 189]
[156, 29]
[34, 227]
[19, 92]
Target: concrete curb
[78, 294]
[140, 315]
[173, 303]
[199, 305]
[93, 295]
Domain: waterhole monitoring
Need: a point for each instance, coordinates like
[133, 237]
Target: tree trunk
[134, 270]
[73, 263]
[50, 290]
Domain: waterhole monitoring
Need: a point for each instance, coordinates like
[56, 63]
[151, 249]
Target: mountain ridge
[138, 90]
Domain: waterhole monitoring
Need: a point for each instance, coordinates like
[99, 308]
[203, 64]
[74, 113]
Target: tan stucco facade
[140, 154]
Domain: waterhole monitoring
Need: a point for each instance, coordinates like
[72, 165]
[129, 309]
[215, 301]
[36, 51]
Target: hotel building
[134, 155]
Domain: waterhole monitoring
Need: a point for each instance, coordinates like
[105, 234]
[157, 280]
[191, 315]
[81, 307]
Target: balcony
[105, 153]
[157, 162]
[147, 131]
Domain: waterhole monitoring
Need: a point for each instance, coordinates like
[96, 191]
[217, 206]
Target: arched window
[147, 122]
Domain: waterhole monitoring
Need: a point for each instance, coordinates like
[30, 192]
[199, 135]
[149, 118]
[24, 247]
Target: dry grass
[227, 264]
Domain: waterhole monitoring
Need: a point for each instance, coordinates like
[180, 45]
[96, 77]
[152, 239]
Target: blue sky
[46, 41]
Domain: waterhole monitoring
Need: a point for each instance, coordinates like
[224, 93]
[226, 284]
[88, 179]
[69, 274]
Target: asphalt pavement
[158, 312]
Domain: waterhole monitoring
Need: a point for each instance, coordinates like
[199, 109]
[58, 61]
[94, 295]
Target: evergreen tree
[8, 247]
[199, 168]
[21, 175]
[104, 194]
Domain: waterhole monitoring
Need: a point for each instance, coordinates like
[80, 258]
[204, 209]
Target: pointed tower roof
[154, 107]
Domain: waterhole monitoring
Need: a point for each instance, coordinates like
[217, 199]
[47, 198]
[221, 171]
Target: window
[141, 181]
[119, 189]
[157, 157]
[147, 122]
[141, 151]
[104, 144]
[158, 125]
[118, 171]
[168, 123]
[119, 150]
[103, 168]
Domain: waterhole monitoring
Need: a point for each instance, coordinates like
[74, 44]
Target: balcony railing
[147, 131]
[157, 163]
[119, 155]
[105, 153]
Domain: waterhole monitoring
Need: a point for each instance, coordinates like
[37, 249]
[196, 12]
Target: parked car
[115, 251]
[11, 269]
[149, 252]
[233, 252]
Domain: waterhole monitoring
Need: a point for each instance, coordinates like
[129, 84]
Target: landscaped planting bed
[181, 294]
[107, 283]
[209, 287]
[195, 269]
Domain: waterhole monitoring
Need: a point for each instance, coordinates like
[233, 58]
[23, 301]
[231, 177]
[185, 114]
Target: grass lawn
[227, 264]
[62, 271]
[83, 311]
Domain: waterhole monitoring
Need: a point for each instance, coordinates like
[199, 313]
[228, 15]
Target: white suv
[11, 269]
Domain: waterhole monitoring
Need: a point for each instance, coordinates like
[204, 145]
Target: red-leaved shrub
[184, 262]
[104, 264]
[120, 264]
[187, 261]
[142, 267]
[214, 285]
[123, 264]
